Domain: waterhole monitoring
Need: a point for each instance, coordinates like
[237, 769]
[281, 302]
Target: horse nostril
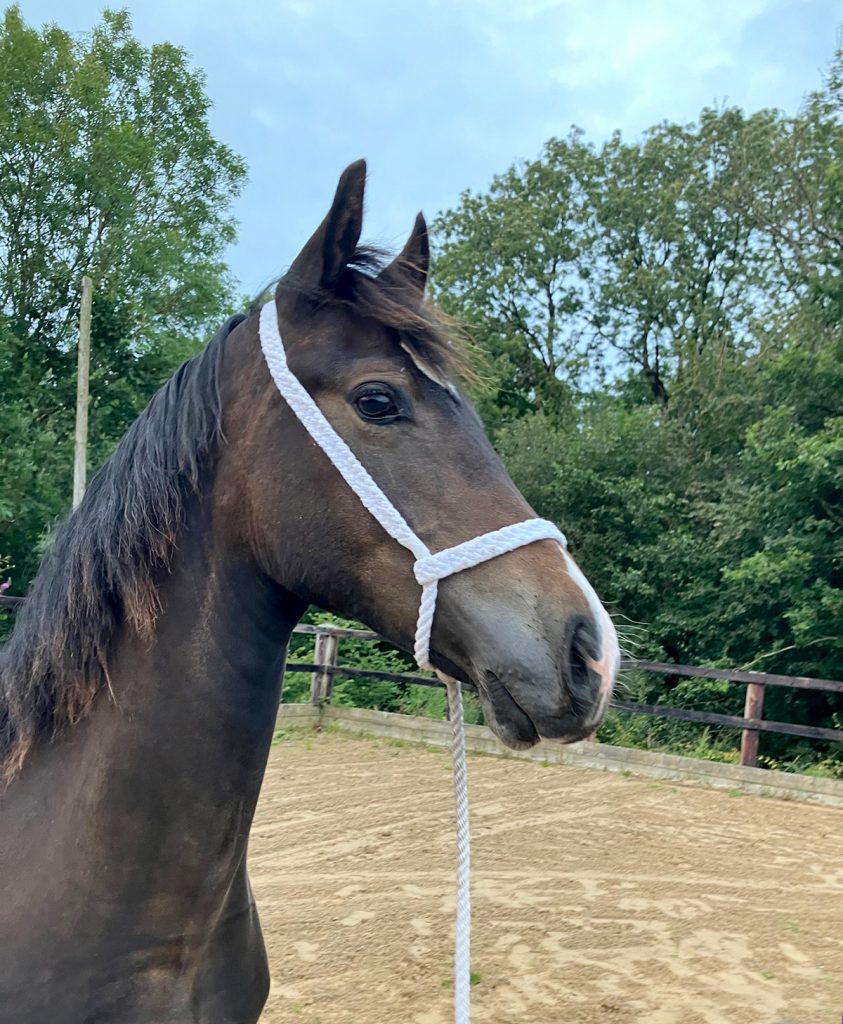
[578, 670]
[581, 650]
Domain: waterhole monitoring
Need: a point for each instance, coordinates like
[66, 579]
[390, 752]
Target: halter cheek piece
[429, 568]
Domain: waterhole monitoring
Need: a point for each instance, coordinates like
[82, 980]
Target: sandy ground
[598, 899]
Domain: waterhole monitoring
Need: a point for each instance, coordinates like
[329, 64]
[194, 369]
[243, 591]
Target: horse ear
[327, 253]
[413, 262]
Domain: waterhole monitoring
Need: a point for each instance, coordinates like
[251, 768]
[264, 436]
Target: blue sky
[440, 96]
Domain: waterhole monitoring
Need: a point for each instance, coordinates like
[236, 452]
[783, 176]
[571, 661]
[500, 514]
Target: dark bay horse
[139, 691]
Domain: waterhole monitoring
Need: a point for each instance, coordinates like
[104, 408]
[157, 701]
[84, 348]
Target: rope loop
[483, 548]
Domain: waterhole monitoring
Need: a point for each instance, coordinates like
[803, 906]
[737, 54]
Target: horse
[139, 690]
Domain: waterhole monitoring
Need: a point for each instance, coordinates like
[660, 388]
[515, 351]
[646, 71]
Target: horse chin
[515, 728]
[512, 726]
[504, 716]
[502, 713]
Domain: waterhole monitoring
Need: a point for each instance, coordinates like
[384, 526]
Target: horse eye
[376, 405]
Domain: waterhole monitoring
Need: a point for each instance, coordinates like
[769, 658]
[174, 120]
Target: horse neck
[194, 708]
[147, 802]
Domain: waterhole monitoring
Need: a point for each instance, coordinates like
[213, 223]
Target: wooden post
[331, 658]
[325, 656]
[754, 710]
[80, 447]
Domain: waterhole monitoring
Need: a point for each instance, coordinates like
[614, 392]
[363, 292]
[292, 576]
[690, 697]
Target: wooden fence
[325, 667]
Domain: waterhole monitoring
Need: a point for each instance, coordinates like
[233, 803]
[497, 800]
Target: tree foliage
[108, 168]
[662, 321]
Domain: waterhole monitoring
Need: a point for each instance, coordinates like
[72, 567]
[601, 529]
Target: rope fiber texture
[462, 930]
[429, 569]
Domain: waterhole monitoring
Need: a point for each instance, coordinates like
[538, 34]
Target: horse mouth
[513, 725]
[504, 715]
[518, 729]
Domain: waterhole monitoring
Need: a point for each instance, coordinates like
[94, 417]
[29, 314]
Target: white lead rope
[462, 930]
[429, 569]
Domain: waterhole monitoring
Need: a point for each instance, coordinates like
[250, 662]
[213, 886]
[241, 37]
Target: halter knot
[435, 567]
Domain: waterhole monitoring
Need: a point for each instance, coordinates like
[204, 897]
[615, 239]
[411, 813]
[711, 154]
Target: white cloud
[440, 95]
[265, 117]
[651, 45]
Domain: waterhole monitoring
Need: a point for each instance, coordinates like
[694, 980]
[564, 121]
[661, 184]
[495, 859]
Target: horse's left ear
[412, 264]
[326, 255]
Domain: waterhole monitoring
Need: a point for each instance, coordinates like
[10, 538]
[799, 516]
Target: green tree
[513, 264]
[699, 471]
[644, 256]
[802, 205]
[108, 168]
[682, 263]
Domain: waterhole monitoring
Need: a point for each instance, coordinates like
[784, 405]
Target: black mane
[101, 567]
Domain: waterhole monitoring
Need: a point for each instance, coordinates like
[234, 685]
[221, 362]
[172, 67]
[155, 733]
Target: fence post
[332, 646]
[754, 710]
[325, 656]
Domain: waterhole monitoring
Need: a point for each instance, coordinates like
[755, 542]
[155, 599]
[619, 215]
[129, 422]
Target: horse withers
[139, 690]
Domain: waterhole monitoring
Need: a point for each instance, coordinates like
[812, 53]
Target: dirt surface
[598, 899]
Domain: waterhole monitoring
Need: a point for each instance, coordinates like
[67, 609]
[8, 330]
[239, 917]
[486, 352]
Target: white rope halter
[429, 569]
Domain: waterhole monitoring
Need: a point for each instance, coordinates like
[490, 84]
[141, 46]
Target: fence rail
[751, 724]
[325, 668]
